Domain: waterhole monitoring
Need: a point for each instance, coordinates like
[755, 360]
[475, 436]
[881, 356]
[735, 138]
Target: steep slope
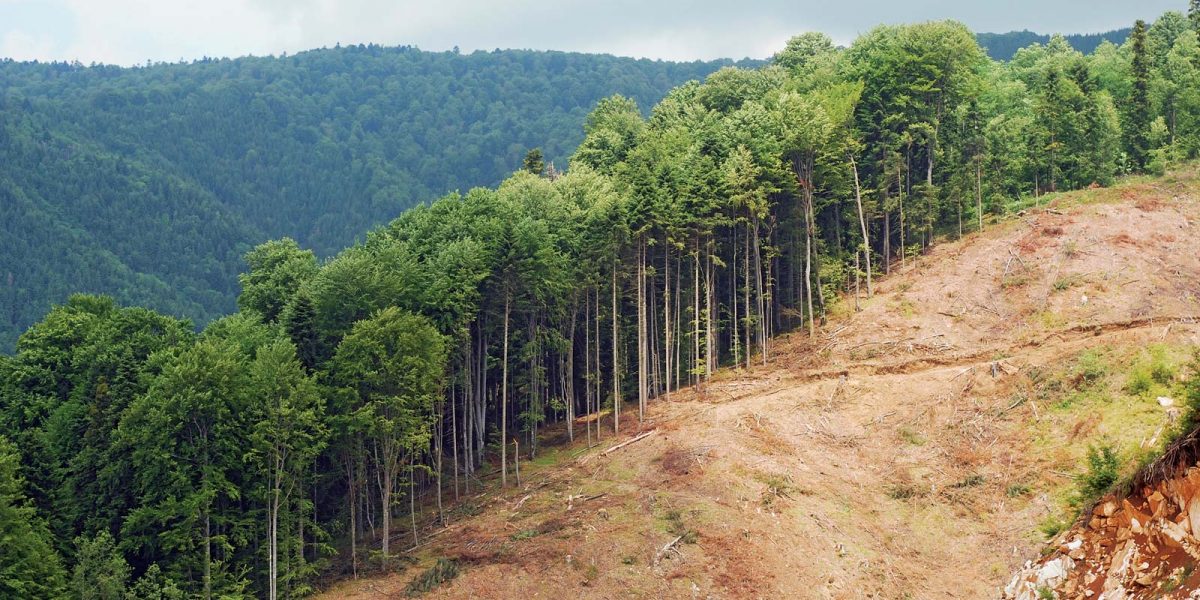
[909, 450]
[149, 183]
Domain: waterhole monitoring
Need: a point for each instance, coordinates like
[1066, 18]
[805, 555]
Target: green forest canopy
[149, 183]
[1003, 46]
[277, 444]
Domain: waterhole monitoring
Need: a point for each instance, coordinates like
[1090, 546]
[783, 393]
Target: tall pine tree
[1137, 127]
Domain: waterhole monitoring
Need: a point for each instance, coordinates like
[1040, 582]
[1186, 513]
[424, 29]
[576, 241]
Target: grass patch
[903, 491]
[777, 487]
[525, 534]
[442, 571]
[1052, 525]
[1017, 490]
[1090, 369]
[1049, 319]
[676, 526]
[910, 436]
[970, 481]
[1154, 371]
[1065, 283]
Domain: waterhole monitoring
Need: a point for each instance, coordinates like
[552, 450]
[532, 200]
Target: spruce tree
[1138, 124]
[534, 162]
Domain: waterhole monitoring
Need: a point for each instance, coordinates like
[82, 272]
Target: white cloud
[132, 31]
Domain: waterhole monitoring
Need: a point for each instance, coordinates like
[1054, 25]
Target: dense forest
[296, 437]
[150, 183]
[1003, 46]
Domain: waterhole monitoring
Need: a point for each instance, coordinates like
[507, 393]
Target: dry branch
[666, 549]
[637, 438]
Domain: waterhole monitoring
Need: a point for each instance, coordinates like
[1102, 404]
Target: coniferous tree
[1137, 127]
[534, 162]
[29, 566]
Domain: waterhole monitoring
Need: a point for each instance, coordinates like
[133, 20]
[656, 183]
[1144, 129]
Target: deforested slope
[920, 447]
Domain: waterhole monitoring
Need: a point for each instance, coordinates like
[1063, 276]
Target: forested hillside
[285, 440]
[1002, 46]
[150, 183]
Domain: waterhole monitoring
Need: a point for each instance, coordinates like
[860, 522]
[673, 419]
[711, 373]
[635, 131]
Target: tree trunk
[762, 319]
[504, 397]
[862, 221]
[616, 364]
[979, 193]
[667, 322]
[386, 505]
[643, 342]
[353, 498]
[207, 556]
[750, 322]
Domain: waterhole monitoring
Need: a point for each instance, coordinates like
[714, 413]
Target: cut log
[637, 438]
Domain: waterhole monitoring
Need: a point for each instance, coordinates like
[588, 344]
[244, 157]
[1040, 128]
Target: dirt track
[876, 460]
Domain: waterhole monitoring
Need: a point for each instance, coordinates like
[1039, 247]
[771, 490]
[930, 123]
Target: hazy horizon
[130, 32]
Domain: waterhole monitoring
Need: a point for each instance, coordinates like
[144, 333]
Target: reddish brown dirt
[876, 460]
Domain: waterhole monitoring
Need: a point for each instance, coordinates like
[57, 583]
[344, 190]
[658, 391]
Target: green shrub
[442, 571]
[1103, 470]
[1090, 368]
[1052, 525]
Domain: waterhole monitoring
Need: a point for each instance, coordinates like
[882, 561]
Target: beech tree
[393, 362]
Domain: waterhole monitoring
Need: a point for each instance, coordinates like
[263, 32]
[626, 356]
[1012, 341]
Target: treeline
[149, 183]
[284, 441]
[1003, 46]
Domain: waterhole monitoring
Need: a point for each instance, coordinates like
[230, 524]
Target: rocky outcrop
[1145, 545]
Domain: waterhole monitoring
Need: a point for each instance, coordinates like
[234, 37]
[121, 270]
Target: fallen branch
[629, 441]
[518, 506]
[666, 549]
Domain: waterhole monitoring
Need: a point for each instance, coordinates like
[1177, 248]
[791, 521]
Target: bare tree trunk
[352, 496]
[862, 221]
[903, 251]
[386, 501]
[709, 291]
[207, 556]
[412, 507]
[504, 397]
[750, 322]
[695, 375]
[979, 193]
[438, 447]
[667, 323]
[643, 386]
[856, 278]
[764, 340]
[616, 364]
[587, 362]
[599, 397]
[569, 385]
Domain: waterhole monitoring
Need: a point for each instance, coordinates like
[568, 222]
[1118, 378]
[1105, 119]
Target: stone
[1157, 503]
[1107, 508]
[1054, 572]
[1193, 511]
[1164, 401]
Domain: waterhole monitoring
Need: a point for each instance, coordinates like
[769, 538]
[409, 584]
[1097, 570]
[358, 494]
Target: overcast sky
[133, 31]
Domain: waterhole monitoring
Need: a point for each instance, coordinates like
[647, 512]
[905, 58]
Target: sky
[127, 32]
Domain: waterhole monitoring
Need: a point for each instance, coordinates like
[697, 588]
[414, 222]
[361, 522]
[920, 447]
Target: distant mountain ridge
[1003, 46]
